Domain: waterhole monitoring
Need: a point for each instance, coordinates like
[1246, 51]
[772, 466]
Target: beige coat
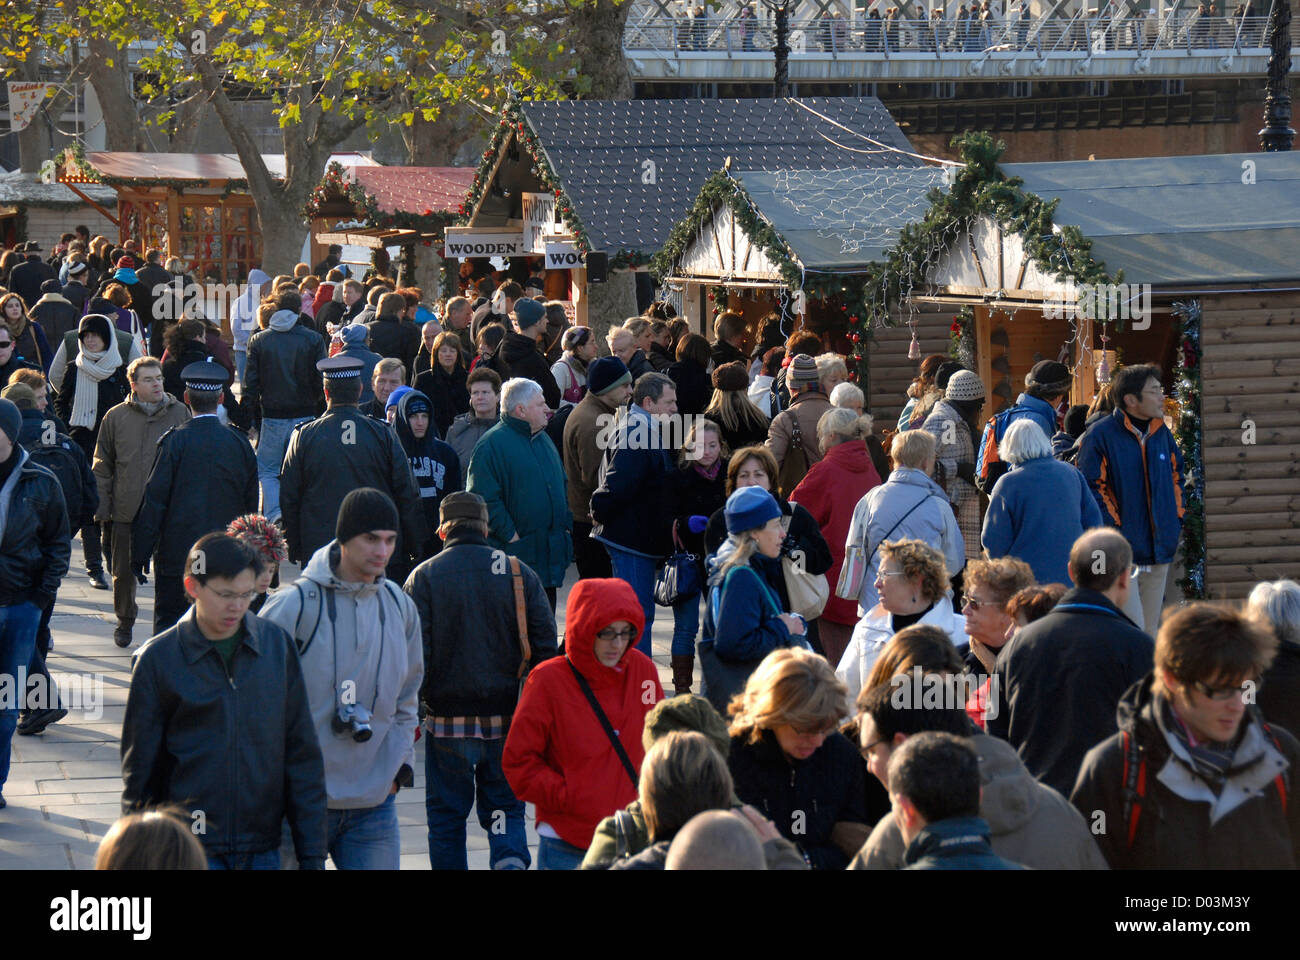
[1030, 822]
[808, 407]
[583, 451]
[125, 452]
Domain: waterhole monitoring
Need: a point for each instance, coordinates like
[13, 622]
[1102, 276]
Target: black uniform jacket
[204, 476]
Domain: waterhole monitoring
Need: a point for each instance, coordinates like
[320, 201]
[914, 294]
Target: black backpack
[61, 459]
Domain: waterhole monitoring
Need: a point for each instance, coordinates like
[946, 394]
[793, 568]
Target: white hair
[1024, 440]
[1279, 602]
[518, 391]
[849, 395]
[829, 363]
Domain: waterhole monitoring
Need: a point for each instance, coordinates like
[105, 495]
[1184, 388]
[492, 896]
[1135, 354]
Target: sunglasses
[6, 343]
[977, 604]
[1223, 694]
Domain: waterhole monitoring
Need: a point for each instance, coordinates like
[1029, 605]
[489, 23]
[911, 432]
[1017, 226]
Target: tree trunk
[41, 138]
[595, 30]
[435, 143]
[123, 126]
[610, 303]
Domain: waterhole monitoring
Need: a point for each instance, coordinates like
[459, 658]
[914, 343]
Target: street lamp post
[781, 9]
[1277, 134]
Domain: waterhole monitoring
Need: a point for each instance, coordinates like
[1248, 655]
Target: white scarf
[91, 369]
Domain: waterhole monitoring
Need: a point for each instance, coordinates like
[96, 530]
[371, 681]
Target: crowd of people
[939, 645]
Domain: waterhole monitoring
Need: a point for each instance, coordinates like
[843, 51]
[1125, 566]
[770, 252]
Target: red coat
[557, 755]
[830, 490]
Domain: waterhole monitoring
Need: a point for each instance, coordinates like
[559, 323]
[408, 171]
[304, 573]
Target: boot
[683, 672]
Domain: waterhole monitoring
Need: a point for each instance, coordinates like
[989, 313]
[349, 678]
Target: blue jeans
[553, 854]
[686, 623]
[638, 571]
[266, 860]
[18, 624]
[453, 769]
[272, 440]
[365, 839]
[241, 364]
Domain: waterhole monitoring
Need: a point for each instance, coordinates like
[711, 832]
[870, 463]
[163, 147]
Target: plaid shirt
[465, 728]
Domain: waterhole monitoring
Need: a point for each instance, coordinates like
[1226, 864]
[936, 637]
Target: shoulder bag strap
[521, 618]
[871, 555]
[604, 722]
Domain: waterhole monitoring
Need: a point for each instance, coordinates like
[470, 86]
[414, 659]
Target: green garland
[514, 123]
[1187, 390]
[868, 298]
[334, 184]
[961, 337]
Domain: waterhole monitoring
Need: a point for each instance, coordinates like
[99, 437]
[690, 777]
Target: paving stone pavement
[65, 785]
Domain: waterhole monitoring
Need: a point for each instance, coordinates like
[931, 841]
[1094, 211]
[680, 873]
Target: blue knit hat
[749, 508]
[395, 396]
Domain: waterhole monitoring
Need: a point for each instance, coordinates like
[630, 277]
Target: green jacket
[519, 475]
[779, 852]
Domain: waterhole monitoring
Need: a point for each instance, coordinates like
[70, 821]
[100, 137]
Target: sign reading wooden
[465, 242]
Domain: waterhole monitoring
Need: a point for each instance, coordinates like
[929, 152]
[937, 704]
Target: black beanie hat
[363, 510]
[96, 323]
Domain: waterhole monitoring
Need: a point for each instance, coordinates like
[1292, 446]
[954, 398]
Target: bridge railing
[943, 38]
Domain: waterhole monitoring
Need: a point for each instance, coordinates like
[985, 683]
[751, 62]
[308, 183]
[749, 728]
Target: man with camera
[359, 639]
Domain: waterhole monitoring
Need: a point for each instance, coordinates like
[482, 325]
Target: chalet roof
[415, 189]
[166, 167]
[838, 220]
[599, 151]
[1181, 220]
[33, 193]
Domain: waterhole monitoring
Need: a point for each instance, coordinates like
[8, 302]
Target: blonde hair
[912, 448]
[840, 425]
[735, 411]
[791, 686]
[917, 558]
[683, 774]
[636, 326]
[158, 839]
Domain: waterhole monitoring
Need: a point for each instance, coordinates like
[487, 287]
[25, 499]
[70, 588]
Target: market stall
[1186, 262]
[585, 192]
[402, 210]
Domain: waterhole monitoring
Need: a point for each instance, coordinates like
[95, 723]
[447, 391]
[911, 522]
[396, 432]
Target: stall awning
[415, 189]
[374, 238]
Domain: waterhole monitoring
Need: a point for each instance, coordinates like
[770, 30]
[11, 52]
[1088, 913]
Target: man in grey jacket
[359, 640]
[1029, 822]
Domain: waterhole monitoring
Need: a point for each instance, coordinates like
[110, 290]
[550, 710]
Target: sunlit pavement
[65, 785]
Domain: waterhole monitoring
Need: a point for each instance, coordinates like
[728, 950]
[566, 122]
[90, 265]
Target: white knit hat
[965, 385]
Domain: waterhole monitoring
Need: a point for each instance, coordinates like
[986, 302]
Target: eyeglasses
[866, 751]
[1223, 694]
[891, 573]
[609, 633]
[977, 604]
[6, 343]
[228, 597]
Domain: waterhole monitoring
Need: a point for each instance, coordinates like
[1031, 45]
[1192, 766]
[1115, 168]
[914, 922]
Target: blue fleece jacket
[1037, 511]
[743, 618]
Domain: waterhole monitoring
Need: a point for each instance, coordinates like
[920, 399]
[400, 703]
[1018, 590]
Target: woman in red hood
[558, 755]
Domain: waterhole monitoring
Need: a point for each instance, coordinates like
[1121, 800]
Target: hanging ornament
[914, 348]
[1103, 371]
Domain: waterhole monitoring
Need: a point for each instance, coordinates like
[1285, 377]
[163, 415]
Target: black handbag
[679, 578]
[723, 679]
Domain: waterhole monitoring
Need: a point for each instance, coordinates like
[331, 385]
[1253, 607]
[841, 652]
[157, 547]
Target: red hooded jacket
[830, 491]
[557, 755]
